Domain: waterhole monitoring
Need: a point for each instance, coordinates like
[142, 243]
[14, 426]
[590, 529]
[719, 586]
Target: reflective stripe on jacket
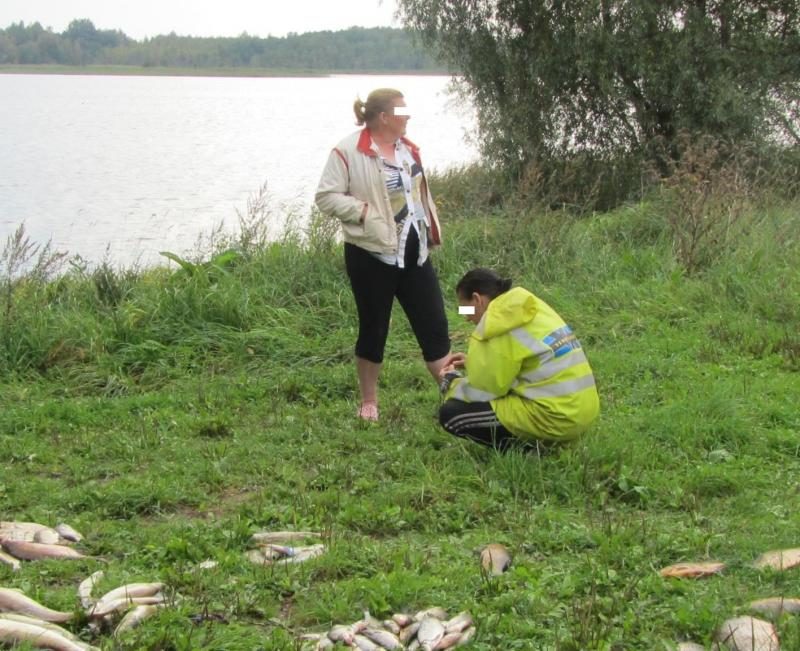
[352, 177]
[525, 361]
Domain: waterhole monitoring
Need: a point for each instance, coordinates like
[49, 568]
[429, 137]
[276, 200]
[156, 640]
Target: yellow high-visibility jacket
[525, 361]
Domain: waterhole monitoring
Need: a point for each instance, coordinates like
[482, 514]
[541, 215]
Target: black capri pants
[375, 285]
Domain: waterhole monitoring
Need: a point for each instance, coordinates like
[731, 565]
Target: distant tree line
[356, 48]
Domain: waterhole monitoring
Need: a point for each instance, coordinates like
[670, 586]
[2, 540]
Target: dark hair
[482, 281]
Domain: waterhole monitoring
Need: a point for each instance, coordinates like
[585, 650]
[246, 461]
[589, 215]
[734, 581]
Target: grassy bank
[168, 414]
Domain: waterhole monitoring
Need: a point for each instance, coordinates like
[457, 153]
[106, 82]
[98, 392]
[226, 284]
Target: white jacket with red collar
[353, 176]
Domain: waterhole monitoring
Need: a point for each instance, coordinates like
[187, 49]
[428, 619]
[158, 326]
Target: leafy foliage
[590, 84]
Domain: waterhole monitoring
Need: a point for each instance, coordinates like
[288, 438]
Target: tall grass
[171, 412]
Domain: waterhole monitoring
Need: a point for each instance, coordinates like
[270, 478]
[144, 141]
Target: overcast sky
[141, 18]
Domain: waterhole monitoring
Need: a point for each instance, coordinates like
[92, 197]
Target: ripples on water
[120, 168]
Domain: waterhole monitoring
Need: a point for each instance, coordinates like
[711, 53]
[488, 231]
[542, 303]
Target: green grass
[169, 414]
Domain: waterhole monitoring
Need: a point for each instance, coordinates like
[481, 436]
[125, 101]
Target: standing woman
[374, 183]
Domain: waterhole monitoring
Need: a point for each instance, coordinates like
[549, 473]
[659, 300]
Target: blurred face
[473, 307]
[397, 117]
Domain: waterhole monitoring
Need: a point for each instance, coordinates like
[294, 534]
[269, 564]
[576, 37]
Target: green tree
[553, 79]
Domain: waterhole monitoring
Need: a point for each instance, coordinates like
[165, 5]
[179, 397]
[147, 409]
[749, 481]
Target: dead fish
[340, 633]
[467, 635]
[408, 632]
[402, 619]
[35, 621]
[495, 559]
[746, 634]
[776, 605]
[391, 626]
[458, 623]
[364, 643]
[31, 527]
[383, 638]
[86, 586]
[135, 617]
[301, 554]
[16, 602]
[103, 608]
[65, 531]
[430, 633]
[449, 641]
[692, 570]
[21, 632]
[48, 537]
[282, 536]
[33, 551]
[130, 590]
[690, 646]
[8, 559]
[324, 644]
[435, 612]
[780, 559]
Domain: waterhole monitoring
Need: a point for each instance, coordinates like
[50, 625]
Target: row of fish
[744, 633]
[20, 615]
[778, 559]
[23, 619]
[30, 541]
[427, 630]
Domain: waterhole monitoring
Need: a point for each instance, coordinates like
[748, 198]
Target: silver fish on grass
[436, 612]
[279, 555]
[467, 635]
[33, 551]
[365, 644]
[103, 608]
[495, 559]
[383, 638]
[86, 586]
[690, 646]
[449, 641]
[130, 590]
[746, 634]
[12, 530]
[344, 634]
[430, 633]
[776, 606]
[65, 531]
[459, 623]
[12, 632]
[8, 559]
[135, 617]
[35, 621]
[14, 601]
[49, 537]
[779, 559]
[407, 633]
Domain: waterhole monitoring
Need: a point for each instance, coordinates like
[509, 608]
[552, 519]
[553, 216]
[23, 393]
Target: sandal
[368, 411]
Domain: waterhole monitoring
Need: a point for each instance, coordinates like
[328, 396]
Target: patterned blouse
[403, 183]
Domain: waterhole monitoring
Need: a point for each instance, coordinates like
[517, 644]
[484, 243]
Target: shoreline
[167, 71]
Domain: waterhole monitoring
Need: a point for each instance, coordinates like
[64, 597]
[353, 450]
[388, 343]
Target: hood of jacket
[506, 312]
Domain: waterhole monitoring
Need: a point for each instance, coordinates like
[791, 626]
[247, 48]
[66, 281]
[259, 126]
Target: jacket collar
[365, 145]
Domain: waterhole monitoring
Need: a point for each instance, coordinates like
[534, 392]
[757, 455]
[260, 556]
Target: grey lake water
[120, 168]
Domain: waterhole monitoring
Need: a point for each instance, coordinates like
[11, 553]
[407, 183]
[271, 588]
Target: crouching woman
[525, 377]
